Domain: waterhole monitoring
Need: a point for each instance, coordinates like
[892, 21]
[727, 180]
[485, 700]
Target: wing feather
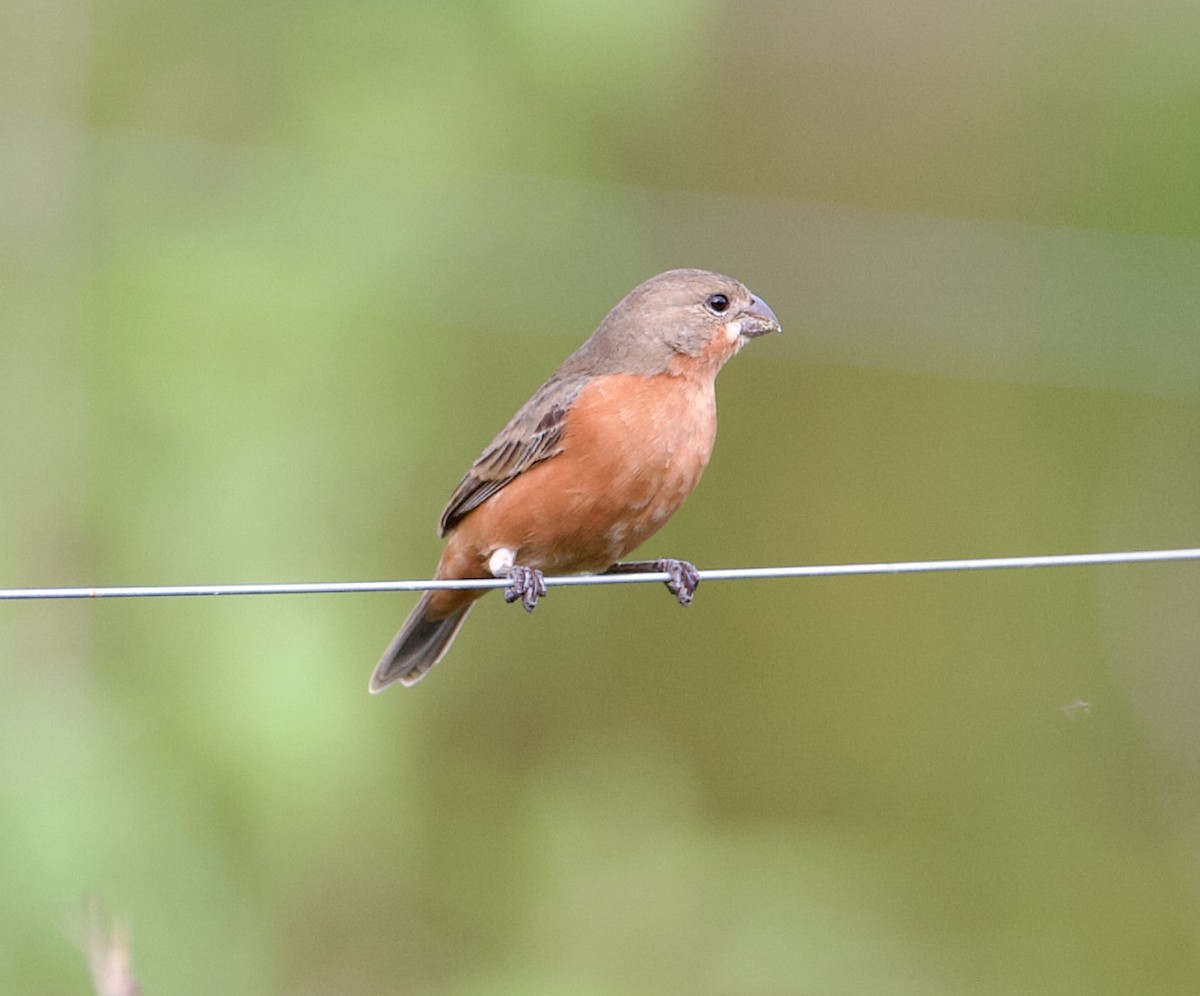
[532, 435]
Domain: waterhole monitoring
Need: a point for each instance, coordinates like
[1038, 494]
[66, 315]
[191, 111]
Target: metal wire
[726, 574]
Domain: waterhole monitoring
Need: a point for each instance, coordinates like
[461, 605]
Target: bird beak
[758, 319]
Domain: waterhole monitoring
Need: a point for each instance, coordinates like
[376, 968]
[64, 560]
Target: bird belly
[633, 449]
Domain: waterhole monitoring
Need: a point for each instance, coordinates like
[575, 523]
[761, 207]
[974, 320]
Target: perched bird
[594, 463]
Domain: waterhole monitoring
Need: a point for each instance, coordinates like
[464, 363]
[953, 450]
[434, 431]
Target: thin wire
[727, 574]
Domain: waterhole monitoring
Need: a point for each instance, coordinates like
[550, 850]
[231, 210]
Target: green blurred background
[272, 274]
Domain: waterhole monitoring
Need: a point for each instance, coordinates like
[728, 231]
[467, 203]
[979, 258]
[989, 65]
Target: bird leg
[682, 580]
[526, 583]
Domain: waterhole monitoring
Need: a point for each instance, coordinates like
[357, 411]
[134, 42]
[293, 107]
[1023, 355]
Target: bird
[594, 463]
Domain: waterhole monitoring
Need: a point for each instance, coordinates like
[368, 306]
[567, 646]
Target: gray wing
[532, 435]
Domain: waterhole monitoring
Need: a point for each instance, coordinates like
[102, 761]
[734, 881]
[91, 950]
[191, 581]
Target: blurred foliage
[271, 275]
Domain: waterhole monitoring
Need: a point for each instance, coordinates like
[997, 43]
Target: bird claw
[683, 579]
[527, 584]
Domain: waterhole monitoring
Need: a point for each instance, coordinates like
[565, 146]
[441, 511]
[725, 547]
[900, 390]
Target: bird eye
[718, 304]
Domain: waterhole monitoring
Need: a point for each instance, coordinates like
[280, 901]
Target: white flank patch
[501, 561]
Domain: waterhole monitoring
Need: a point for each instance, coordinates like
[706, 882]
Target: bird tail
[419, 645]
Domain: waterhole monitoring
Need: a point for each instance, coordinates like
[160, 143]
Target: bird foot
[525, 583]
[682, 577]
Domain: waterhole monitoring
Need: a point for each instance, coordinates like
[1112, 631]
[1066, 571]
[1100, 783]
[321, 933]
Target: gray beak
[759, 319]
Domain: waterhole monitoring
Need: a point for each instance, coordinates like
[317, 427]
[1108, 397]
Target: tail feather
[419, 645]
